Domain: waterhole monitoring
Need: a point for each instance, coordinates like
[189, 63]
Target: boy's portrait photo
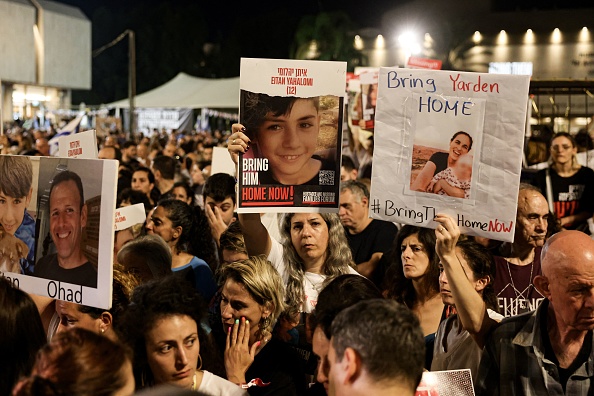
[17, 224]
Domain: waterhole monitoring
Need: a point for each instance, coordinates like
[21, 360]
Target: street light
[409, 43]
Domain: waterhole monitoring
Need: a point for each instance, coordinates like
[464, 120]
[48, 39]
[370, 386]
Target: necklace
[521, 299]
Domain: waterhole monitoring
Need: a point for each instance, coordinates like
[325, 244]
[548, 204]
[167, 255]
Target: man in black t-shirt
[515, 272]
[368, 239]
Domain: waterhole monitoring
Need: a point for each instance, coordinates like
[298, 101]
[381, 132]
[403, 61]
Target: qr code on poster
[326, 178]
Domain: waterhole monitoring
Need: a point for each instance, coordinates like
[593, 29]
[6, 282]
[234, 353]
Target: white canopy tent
[188, 92]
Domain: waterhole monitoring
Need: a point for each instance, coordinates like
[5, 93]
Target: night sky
[207, 38]
[171, 36]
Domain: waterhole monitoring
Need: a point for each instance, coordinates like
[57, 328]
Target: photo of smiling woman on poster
[442, 174]
[296, 136]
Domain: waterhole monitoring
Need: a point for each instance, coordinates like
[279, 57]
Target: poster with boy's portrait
[449, 142]
[292, 112]
[63, 236]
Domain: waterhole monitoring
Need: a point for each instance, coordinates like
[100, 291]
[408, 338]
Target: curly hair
[155, 300]
[262, 282]
[201, 242]
[337, 262]
[398, 286]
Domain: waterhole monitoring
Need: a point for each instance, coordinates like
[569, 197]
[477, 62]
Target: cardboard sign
[64, 248]
[292, 111]
[127, 216]
[79, 145]
[446, 383]
[449, 142]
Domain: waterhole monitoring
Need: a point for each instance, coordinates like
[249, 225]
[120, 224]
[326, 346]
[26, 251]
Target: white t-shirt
[213, 385]
[312, 283]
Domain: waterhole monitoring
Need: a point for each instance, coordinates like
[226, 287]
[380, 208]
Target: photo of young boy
[291, 134]
[17, 226]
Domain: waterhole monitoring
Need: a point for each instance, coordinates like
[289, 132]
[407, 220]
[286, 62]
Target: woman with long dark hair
[413, 278]
[21, 335]
[174, 221]
[163, 327]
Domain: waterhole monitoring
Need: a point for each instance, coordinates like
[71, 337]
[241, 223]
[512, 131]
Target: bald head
[532, 218]
[567, 281]
[565, 251]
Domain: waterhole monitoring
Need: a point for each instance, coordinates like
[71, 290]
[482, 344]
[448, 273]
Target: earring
[200, 360]
[265, 323]
[102, 331]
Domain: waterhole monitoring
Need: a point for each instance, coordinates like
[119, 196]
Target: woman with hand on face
[174, 221]
[466, 283]
[162, 325]
[285, 131]
[460, 144]
[570, 186]
[252, 298]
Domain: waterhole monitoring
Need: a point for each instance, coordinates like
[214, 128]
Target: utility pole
[131, 74]
[131, 82]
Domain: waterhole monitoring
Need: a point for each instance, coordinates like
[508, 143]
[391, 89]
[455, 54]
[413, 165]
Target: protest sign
[67, 228]
[449, 142]
[446, 383]
[222, 162]
[292, 111]
[128, 216]
[79, 145]
[414, 62]
[368, 80]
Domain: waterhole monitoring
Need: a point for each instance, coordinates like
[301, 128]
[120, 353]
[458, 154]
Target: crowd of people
[209, 301]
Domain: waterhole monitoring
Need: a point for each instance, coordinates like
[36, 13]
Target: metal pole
[131, 82]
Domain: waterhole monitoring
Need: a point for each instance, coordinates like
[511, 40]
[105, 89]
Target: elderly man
[368, 239]
[513, 284]
[377, 348]
[548, 351]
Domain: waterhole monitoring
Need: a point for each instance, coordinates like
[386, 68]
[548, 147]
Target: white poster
[449, 142]
[222, 162]
[62, 245]
[292, 111]
[79, 145]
